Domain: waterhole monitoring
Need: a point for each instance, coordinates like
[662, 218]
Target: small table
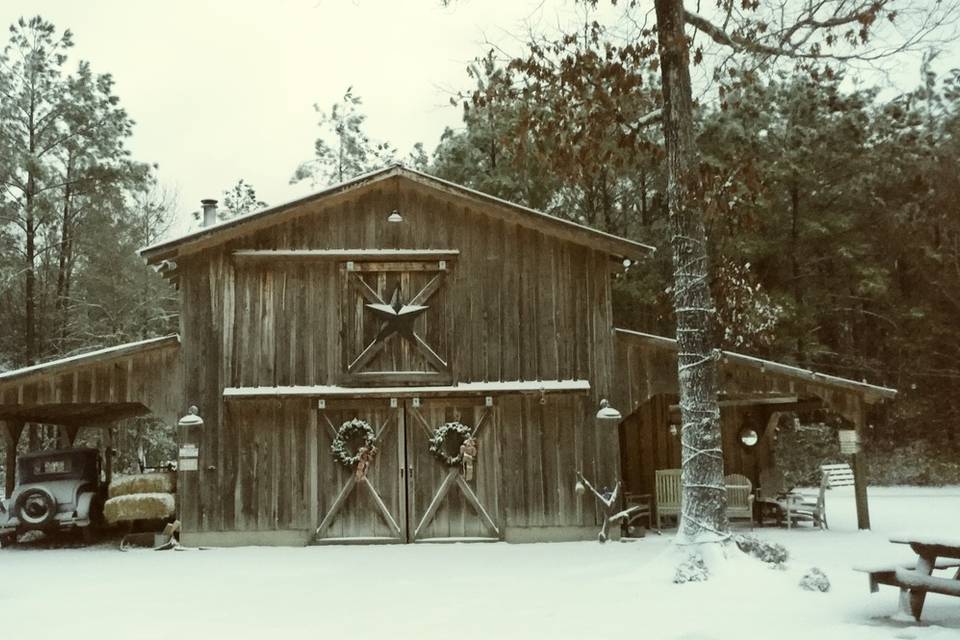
[915, 583]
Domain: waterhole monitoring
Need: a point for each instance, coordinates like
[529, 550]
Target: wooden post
[860, 470]
[189, 438]
[71, 434]
[11, 437]
[108, 457]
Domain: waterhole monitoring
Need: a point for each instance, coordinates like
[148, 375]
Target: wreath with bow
[440, 447]
[354, 438]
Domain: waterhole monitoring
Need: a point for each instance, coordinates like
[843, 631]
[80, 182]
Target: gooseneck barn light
[608, 413]
[192, 419]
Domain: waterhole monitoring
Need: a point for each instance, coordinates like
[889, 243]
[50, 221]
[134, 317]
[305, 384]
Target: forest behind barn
[834, 209]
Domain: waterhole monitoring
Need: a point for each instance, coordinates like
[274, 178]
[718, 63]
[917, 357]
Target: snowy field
[557, 591]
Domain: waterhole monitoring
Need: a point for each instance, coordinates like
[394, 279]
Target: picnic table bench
[916, 579]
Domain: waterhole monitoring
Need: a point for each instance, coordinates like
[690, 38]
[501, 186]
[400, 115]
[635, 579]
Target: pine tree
[344, 150]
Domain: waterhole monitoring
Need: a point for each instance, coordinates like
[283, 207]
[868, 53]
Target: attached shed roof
[96, 387]
[241, 225]
[646, 366]
[59, 365]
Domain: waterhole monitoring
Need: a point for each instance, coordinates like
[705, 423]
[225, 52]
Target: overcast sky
[225, 90]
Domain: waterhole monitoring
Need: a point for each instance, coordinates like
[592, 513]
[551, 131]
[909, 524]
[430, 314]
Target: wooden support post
[108, 457]
[189, 438]
[314, 492]
[71, 434]
[10, 431]
[860, 470]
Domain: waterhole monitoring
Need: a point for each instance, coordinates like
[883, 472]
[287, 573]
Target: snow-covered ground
[557, 591]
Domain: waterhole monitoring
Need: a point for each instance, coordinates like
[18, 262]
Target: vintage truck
[55, 490]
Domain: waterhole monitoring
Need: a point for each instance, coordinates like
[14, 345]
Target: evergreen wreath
[348, 432]
[438, 442]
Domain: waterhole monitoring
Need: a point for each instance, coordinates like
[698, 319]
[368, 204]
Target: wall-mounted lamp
[394, 216]
[608, 413]
[192, 419]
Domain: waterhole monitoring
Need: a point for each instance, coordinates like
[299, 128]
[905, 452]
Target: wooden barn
[400, 359]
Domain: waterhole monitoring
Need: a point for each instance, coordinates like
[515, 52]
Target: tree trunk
[29, 277]
[704, 513]
[795, 262]
[64, 263]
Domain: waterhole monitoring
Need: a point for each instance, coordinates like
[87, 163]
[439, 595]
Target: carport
[93, 389]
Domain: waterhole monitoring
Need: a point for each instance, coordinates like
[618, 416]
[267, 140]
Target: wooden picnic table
[933, 552]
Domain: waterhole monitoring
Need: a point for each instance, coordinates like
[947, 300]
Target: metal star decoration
[397, 317]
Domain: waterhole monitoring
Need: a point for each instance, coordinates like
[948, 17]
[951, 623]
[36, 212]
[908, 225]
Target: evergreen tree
[344, 150]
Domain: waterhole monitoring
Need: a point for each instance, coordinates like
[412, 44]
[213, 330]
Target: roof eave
[864, 388]
[613, 245]
[81, 359]
[168, 248]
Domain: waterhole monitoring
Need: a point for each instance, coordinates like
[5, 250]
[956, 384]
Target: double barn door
[408, 493]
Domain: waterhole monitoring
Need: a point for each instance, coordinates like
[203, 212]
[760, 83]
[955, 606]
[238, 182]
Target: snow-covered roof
[228, 229]
[462, 389]
[772, 366]
[119, 350]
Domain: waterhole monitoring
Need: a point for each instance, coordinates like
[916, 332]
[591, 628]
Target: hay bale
[139, 506]
[143, 483]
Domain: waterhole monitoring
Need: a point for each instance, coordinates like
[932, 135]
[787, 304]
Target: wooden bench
[885, 573]
[916, 579]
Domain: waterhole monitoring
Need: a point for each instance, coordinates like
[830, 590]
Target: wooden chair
[669, 492]
[637, 508]
[831, 475]
[772, 496]
[739, 497]
[814, 507]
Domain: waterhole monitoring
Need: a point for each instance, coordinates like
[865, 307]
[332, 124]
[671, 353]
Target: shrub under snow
[815, 580]
[693, 569]
[769, 552]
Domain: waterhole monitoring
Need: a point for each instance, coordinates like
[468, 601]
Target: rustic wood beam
[71, 433]
[751, 401]
[462, 390]
[448, 482]
[860, 471]
[10, 431]
[474, 501]
[342, 255]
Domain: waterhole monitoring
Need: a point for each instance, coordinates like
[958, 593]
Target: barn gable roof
[242, 225]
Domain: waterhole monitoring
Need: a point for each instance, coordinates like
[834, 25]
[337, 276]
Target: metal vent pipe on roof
[209, 206]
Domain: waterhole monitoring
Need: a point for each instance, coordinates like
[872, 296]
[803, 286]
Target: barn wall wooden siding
[519, 305]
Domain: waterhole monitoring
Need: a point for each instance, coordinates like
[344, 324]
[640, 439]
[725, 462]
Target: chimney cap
[208, 201]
